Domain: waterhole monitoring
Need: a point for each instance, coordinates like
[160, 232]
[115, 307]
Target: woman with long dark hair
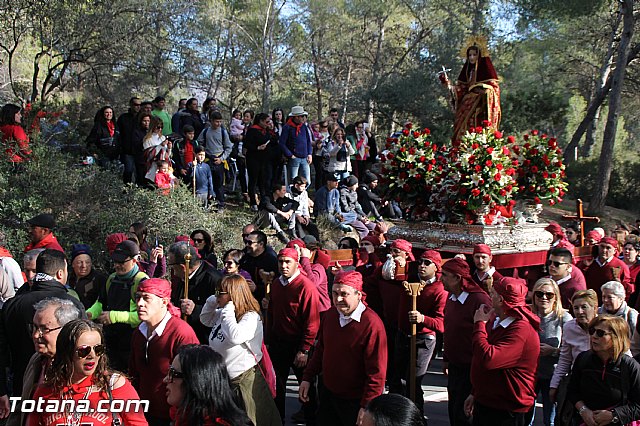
[198, 388]
[204, 243]
[102, 141]
[79, 372]
[14, 138]
[257, 141]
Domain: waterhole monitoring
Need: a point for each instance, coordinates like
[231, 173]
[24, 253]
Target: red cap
[350, 278]
[610, 240]
[405, 246]
[482, 249]
[113, 240]
[289, 252]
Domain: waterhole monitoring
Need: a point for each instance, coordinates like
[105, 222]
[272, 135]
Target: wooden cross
[581, 218]
[414, 290]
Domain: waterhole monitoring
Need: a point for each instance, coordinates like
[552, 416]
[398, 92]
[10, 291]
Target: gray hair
[180, 249]
[66, 311]
[616, 287]
[31, 255]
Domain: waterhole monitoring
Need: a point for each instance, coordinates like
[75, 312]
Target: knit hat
[369, 176]
[160, 288]
[482, 249]
[434, 257]
[350, 278]
[514, 292]
[43, 220]
[405, 246]
[78, 249]
[351, 180]
[124, 251]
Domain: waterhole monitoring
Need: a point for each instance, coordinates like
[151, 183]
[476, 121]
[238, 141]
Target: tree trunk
[347, 86]
[316, 45]
[605, 165]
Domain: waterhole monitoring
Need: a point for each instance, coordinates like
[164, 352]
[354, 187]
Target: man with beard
[258, 258]
[484, 271]
[40, 231]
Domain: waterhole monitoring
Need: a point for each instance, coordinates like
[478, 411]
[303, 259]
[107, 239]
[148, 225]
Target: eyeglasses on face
[248, 242]
[174, 374]
[544, 294]
[42, 330]
[84, 350]
[198, 240]
[598, 332]
[556, 263]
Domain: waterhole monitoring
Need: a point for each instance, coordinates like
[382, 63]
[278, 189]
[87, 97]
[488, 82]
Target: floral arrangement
[476, 180]
[540, 177]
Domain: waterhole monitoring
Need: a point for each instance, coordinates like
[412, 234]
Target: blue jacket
[204, 181]
[299, 145]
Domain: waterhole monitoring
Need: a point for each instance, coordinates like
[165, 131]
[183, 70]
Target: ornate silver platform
[458, 238]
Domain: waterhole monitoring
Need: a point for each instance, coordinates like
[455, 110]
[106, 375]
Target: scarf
[112, 127]
[294, 125]
[262, 130]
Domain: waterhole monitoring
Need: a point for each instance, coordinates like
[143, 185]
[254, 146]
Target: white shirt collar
[194, 272]
[487, 274]
[504, 323]
[603, 263]
[462, 298]
[564, 280]
[431, 280]
[355, 315]
[144, 328]
[285, 281]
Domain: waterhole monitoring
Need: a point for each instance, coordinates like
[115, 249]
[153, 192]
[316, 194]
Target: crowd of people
[211, 338]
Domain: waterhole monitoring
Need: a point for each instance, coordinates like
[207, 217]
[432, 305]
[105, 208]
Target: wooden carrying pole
[267, 278]
[413, 289]
[187, 260]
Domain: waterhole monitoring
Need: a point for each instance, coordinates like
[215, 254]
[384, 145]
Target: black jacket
[17, 315]
[201, 285]
[100, 141]
[192, 118]
[126, 124]
[369, 201]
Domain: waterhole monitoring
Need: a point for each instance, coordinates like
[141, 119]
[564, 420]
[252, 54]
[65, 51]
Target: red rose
[534, 169]
[472, 159]
[475, 146]
[403, 149]
[525, 137]
[430, 167]
[475, 192]
[515, 162]
[536, 200]
[456, 143]
[382, 157]
[434, 148]
[552, 190]
[426, 131]
[527, 163]
[489, 150]
[559, 199]
[433, 161]
[422, 158]
[463, 203]
[522, 188]
[412, 150]
[486, 123]
[545, 174]
[478, 168]
[497, 134]
[387, 145]
[499, 166]
[410, 166]
[553, 175]
[512, 202]
[503, 192]
[551, 202]
[497, 177]
[534, 132]
[532, 188]
[472, 129]
[390, 155]
[505, 150]
[416, 134]
[486, 198]
[559, 164]
[488, 163]
[405, 132]
[516, 149]
[478, 129]
[509, 187]
[409, 125]
[511, 171]
[511, 139]
[481, 182]
[462, 190]
[418, 176]
[389, 140]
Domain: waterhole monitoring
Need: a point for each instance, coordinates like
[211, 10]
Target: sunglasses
[598, 332]
[198, 240]
[229, 263]
[426, 262]
[174, 374]
[249, 242]
[544, 295]
[218, 293]
[556, 263]
[85, 350]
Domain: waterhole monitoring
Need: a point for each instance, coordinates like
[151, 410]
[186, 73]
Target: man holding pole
[202, 279]
[421, 324]
[351, 354]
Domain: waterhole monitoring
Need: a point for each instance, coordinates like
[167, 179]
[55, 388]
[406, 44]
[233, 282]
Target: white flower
[475, 178]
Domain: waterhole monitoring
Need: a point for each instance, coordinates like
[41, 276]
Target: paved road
[435, 390]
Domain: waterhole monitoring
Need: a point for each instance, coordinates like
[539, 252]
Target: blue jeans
[298, 166]
[129, 162]
[548, 408]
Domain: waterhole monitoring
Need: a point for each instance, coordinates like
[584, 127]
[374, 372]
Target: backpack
[137, 279]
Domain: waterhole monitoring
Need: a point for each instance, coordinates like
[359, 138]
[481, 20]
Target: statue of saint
[476, 94]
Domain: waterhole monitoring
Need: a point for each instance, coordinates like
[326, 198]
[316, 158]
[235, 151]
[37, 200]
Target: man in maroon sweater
[568, 277]
[505, 348]
[351, 354]
[154, 345]
[607, 267]
[387, 282]
[482, 260]
[429, 319]
[465, 297]
[315, 272]
[293, 324]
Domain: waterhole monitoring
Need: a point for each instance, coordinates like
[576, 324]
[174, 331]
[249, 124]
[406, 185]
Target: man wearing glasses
[17, 313]
[51, 314]
[568, 278]
[154, 344]
[116, 308]
[258, 257]
[203, 281]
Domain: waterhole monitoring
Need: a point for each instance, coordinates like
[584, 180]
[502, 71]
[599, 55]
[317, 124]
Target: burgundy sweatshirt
[430, 303]
[458, 327]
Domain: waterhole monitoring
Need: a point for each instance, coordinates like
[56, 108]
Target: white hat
[297, 110]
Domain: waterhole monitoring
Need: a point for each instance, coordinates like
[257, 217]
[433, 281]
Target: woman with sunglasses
[546, 304]
[236, 333]
[231, 265]
[204, 243]
[199, 392]
[79, 372]
[575, 340]
[604, 386]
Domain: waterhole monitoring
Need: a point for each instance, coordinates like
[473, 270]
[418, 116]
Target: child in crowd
[164, 177]
[187, 148]
[237, 127]
[200, 174]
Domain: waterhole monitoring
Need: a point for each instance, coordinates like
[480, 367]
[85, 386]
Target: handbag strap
[115, 418]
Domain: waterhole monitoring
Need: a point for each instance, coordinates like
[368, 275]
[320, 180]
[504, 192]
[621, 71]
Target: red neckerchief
[294, 125]
[112, 127]
[262, 130]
